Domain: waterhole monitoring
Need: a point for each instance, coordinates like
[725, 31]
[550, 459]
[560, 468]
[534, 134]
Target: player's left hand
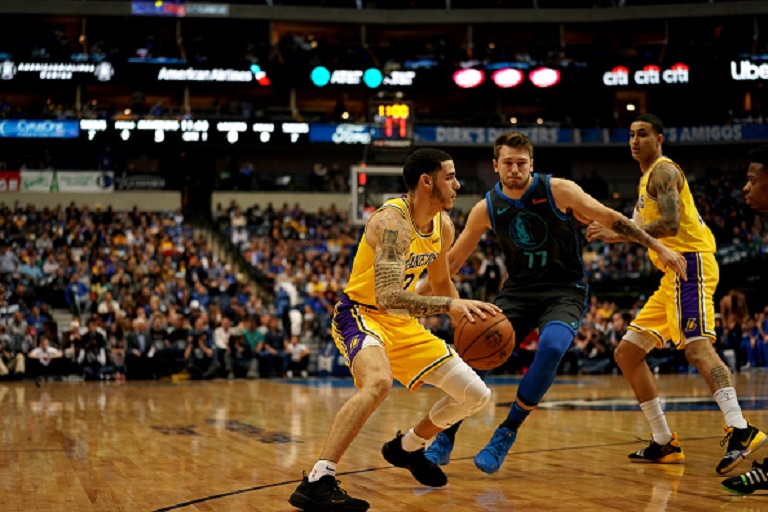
[675, 261]
[467, 308]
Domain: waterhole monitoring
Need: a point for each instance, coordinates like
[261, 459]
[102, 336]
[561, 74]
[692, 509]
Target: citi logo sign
[649, 75]
[746, 70]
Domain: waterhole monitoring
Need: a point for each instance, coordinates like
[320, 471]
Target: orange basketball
[484, 344]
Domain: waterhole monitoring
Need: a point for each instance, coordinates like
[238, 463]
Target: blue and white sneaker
[490, 458]
[440, 450]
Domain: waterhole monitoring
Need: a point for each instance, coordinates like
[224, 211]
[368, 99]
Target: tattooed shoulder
[665, 178]
[387, 220]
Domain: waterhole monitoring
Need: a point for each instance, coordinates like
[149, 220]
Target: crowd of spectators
[307, 256]
[148, 299]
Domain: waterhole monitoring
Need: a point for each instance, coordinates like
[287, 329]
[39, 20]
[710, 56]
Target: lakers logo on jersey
[420, 260]
[528, 230]
[691, 325]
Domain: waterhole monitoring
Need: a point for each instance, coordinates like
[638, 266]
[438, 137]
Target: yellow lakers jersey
[424, 249]
[693, 234]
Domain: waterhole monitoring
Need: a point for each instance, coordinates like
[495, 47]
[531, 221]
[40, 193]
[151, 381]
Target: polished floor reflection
[242, 445]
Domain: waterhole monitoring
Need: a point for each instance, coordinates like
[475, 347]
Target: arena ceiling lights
[507, 78]
[468, 78]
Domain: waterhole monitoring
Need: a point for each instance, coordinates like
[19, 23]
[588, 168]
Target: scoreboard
[195, 131]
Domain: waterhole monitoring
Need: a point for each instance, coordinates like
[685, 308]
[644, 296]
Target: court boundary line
[369, 470]
[33, 450]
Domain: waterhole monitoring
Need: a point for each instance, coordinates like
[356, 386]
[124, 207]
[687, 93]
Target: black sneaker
[325, 495]
[670, 453]
[424, 470]
[741, 442]
[755, 480]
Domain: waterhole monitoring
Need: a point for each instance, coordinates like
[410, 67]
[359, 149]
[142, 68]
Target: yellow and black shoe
[749, 482]
[741, 442]
[670, 453]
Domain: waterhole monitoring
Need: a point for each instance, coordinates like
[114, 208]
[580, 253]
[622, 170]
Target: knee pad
[466, 394]
[478, 394]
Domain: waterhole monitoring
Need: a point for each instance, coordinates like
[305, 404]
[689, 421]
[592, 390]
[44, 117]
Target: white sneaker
[289, 373]
[304, 374]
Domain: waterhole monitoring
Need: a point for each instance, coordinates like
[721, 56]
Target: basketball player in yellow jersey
[375, 327]
[682, 311]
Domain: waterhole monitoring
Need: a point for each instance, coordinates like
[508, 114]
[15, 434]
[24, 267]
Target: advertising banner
[647, 75]
[101, 71]
[704, 134]
[84, 181]
[371, 77]
[36, 181]
[342, 133]
[140, 182]
[748, 70]
[539, 135]
[254, 73]
[484, 135]
[39, 128]
[9, 181]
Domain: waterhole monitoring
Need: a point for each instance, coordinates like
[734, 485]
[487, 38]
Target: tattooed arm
[569, 197]
[665, 184]
[390, 236]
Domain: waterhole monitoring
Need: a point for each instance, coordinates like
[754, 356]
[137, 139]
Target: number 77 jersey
[541, 244]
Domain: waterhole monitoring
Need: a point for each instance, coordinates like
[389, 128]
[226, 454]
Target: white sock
[729, 404]
[411, 442]
[658, 420]
[322, 468]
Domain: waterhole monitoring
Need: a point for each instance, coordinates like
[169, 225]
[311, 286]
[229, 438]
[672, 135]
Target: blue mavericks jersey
[541, 244]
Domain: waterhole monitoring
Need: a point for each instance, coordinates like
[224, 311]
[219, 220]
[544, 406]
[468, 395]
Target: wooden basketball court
[242, 445]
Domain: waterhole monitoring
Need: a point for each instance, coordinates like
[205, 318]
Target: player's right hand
[675, 261]
[469, 308]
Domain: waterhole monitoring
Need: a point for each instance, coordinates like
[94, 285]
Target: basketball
[484, 344]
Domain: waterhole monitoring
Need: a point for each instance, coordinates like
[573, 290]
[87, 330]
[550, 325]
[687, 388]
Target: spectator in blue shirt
[77, 296]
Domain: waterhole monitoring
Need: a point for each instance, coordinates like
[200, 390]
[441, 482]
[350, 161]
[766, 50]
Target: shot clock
[393, 121]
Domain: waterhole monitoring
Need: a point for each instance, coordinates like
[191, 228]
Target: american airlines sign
[204, 75]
